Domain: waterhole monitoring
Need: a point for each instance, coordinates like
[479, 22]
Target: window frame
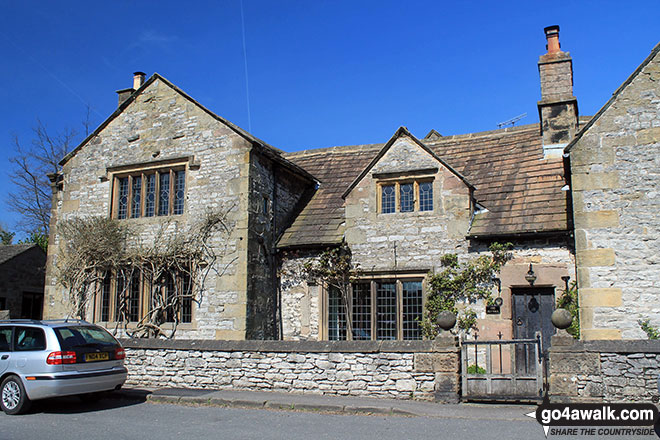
[397, 183]
[143, 174]
[144, 298]
[373, 281]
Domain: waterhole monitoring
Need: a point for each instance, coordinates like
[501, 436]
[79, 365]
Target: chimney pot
[552, 36]
[138, 79]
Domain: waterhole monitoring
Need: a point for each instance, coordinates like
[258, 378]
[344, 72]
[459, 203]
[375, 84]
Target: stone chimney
[124, 94]
[558, 109]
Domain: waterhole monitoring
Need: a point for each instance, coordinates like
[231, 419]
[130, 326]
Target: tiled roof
[519, 188]
[10, 251]
[322, 219]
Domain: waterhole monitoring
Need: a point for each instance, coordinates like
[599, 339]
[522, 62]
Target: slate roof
[10, 251]
[521, 190]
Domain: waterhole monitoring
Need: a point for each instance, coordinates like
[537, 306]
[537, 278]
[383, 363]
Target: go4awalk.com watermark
[597, 419]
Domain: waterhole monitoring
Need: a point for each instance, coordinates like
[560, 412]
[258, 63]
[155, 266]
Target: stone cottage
[615, 184]
[22, 269]
[162, 160]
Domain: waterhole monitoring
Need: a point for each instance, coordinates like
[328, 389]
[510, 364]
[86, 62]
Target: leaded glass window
[133, 308]
[122, 202]
[336, 316]
[164, 194]
[426, 196]
[361, 312]
[407, 197]
[380, 309]
[386, 310]
[412, 309]
[150, 199]
[136, 195]
[179, 191]
[160, 192]
[388, 199]
[105, 298]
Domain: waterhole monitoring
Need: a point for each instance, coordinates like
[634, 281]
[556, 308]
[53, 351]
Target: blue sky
[320, 73]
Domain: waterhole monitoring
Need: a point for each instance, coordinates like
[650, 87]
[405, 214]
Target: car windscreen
[83, 336]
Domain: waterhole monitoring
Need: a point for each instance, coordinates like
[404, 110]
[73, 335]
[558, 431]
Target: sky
[319, 73]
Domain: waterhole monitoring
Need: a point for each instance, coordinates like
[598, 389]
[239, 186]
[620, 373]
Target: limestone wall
[403, 370]
[604, 371]
[616, 195]
[162, 126]
[407, 240]
[22, 274]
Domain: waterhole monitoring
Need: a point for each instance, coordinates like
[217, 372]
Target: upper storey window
[406, 196]
[148, 193]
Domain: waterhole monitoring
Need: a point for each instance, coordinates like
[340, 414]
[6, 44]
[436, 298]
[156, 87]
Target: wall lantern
[565, 279]
[497, 281]
[531, 276]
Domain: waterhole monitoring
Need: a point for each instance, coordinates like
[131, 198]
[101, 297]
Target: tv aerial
[511, 121]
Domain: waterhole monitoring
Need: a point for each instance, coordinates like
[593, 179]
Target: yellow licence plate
[93, 357]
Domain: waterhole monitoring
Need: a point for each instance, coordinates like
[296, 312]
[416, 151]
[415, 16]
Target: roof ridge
[338, 148]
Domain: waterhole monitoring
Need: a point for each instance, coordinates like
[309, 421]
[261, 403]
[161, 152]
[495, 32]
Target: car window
[5, 337]
[81, 336]
[29, 339]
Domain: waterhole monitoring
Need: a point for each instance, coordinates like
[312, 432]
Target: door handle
[4, 356]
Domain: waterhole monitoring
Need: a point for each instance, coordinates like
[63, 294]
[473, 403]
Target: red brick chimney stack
[552, 35]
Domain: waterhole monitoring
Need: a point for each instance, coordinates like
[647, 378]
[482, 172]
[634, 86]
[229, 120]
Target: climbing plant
[651, 331]
[335, 269]
[462, 282]
[94, 247]
[569, 301]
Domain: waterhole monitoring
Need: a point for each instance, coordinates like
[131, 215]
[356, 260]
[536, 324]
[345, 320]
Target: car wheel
[13, 399]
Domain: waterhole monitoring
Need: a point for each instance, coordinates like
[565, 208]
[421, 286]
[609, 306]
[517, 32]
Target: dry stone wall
[402, 370]
[604, 371]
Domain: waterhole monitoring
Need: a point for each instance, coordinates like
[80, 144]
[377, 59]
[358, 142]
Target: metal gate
[505, 370]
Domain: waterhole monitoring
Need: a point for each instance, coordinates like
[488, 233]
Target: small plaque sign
[492, 310]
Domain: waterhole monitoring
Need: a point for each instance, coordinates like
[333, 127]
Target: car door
[5, 347]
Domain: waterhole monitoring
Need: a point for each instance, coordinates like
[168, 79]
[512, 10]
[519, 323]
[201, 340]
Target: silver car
[41, 359]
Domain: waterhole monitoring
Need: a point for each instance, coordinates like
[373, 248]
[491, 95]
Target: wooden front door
[532, 309]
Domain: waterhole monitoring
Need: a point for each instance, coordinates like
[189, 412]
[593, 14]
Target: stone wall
[403, 370]
[615, 187]
[604, 371]
[22, 274]
[274, 193]
[162, 126]
[407, 240]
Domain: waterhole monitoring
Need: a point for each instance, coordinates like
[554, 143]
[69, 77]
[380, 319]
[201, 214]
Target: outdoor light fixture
[565, 278]
[499, 284]
[531, 276]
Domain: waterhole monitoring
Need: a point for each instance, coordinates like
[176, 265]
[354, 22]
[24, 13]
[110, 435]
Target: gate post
[446, 367]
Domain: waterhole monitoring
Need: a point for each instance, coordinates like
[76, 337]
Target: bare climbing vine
[93, 248]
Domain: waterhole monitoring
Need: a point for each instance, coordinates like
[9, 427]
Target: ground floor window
[378, 309]
[130, 294]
